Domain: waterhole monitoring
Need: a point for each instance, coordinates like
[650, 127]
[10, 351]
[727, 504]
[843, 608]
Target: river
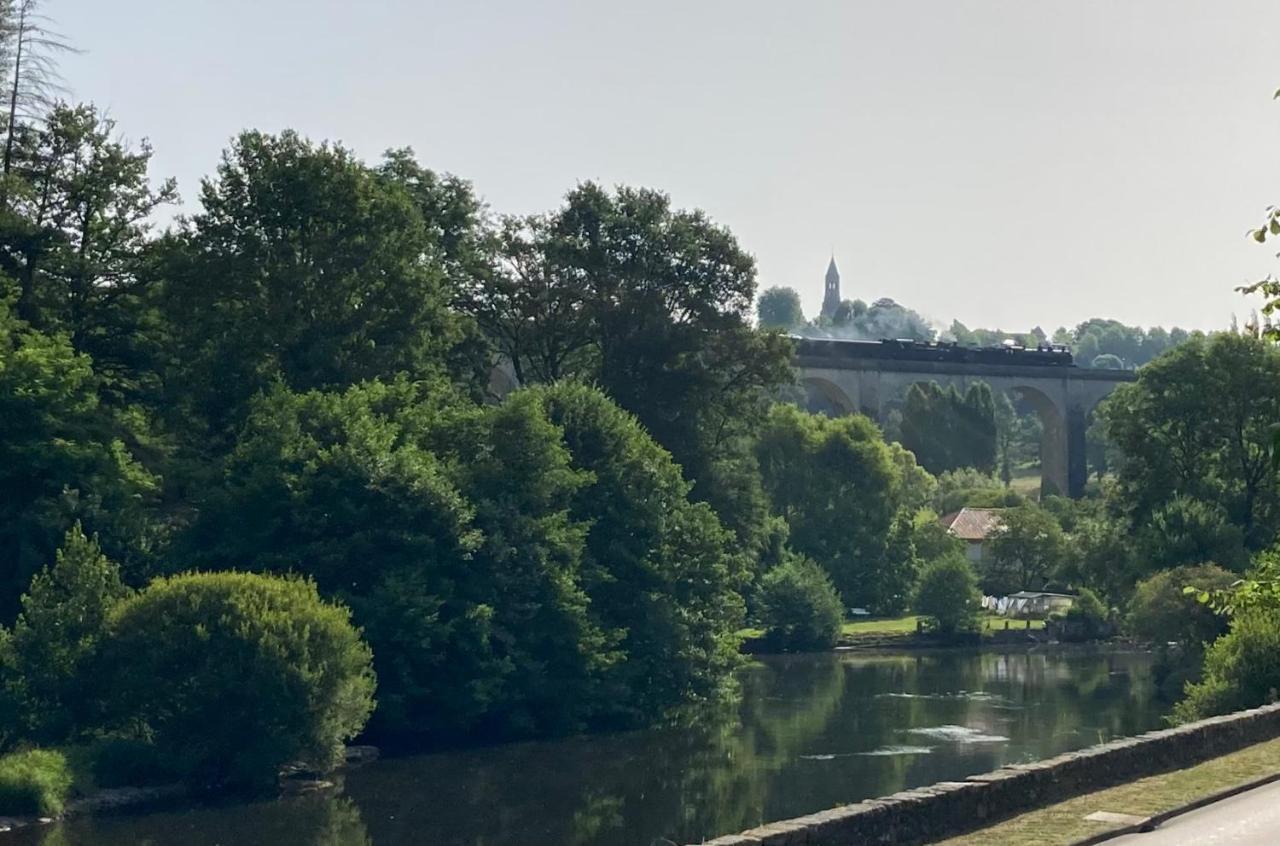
[809, 732]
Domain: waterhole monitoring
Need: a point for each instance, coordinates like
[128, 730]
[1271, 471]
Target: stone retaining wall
[953, 807]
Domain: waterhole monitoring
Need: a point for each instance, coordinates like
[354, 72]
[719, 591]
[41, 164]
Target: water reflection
[809, 732]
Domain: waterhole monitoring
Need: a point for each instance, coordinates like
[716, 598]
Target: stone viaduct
[1063, 396]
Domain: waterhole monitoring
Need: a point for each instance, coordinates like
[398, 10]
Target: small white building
[974, 526]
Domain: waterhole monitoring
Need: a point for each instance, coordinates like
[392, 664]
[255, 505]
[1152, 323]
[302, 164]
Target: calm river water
[810, 732]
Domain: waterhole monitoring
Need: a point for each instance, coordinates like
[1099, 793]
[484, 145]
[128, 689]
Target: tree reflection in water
[807, 732]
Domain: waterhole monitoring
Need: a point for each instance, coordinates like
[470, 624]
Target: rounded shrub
[799, 606]
[1241, 669]
[233, 675]
[1161, 610]
[948, 595]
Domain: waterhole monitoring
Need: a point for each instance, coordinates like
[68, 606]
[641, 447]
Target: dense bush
[948, 594]
[1161, 611]
[967, 487]
[656, 566]
[233, 675]
[1241, 668]
[532, 567]
[799, 607]
[34, 783]
[1086, 619]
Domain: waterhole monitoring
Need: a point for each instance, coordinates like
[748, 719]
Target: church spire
[831, 296]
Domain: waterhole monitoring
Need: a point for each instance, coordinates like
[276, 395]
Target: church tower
[831, 299]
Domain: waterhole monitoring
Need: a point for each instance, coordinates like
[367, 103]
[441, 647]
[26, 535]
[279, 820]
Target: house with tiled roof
[974, 526]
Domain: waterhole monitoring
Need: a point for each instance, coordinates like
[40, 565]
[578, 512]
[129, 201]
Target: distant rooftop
[973, 524]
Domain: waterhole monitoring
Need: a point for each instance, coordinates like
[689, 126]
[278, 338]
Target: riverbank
[890, 633]
[135, 799]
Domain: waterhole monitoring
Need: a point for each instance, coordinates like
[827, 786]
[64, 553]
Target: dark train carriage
[899, 349]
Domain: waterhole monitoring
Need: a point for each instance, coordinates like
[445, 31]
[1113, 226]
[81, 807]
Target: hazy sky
[1004, 163]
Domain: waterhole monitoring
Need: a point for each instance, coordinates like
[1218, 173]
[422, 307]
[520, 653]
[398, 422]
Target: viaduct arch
[1063, 396]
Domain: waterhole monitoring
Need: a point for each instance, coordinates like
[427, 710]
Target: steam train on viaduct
[1042, 355]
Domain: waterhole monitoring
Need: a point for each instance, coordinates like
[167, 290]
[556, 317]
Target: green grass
[34, 783]
[1065, 823]
[891, 626]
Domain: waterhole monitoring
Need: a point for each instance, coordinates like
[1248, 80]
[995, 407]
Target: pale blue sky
[1006, 162]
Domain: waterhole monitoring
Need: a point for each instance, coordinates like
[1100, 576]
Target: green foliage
[1100, 553]
[236, 674]
[931, 539]
[1198, 424]
[1112, 345]
[1027, 550]
[79, 214]
[55, 640]
[1187, 531]
[1162, 610]
[653, 304]
[660, 569]
[969, 488]
[948, 594]
[62, 460]
[306, 266]
[526, 568]
[946, 430]
[34, 783]
[835, 483]
[799, 607]
[779, 308]
[1087, 617]
[1241, 668]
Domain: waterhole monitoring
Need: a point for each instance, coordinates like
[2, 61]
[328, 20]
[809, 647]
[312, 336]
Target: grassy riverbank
[1065, 823]
[903, 626]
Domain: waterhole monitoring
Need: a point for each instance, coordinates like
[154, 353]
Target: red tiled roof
[973, 524]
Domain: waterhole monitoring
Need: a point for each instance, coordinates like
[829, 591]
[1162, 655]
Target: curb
[1153, 822]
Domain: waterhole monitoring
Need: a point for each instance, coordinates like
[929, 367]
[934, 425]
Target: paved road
[1249, 819]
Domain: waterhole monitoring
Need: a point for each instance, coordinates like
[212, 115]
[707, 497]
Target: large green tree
[1198, 424]
[836, 484]
[1026, 551]
[653, 304]
[75, 239]
[306, 266]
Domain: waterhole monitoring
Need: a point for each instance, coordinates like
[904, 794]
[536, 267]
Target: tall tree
[653, 304]
[947, 430]
[308, 267]
[76, 235]
[29, 48]
[1198, 424]
[838, 486]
